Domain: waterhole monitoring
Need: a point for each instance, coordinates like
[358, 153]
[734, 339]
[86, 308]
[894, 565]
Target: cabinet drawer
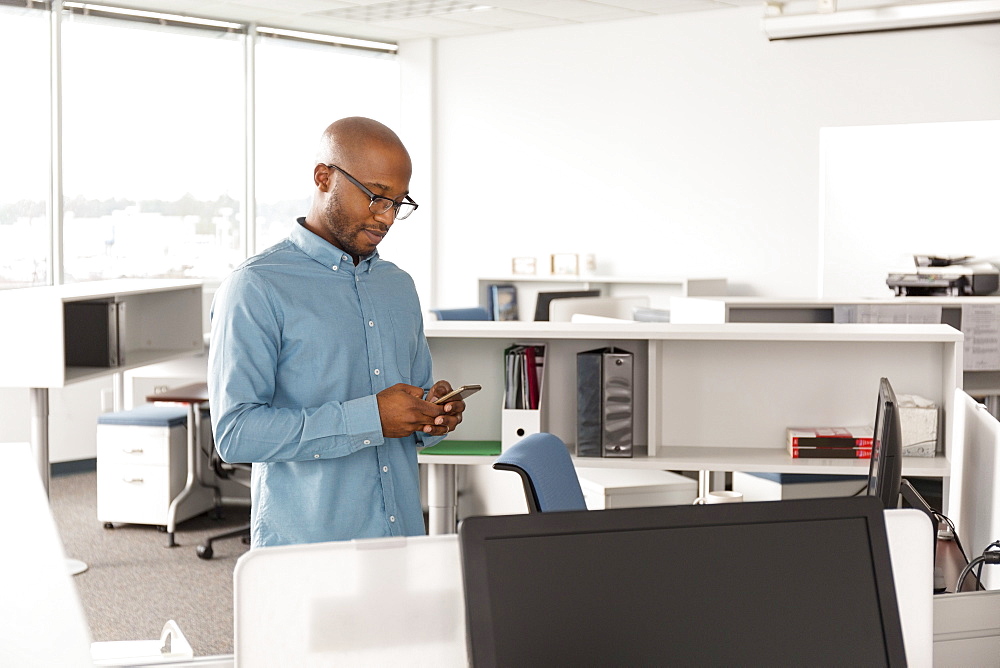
[133, 493]
[121, 444]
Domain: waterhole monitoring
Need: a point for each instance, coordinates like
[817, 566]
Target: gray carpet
[134, 583]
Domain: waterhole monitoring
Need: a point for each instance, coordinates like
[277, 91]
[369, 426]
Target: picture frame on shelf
[527, 266]
[565, 264]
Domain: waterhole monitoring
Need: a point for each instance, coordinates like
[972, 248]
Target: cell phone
[459, 393]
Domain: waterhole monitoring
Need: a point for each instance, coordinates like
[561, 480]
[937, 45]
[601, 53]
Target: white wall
[683, 144]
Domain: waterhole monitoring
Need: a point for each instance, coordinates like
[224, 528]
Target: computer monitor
[544, 298]
[886, 465]
[800, 582]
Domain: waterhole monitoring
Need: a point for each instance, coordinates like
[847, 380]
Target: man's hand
[403, 410]
[453, 410]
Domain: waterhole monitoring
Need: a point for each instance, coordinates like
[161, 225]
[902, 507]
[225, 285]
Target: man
[318, 363]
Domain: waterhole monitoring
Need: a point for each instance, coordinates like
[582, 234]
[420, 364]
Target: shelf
[152, 320]
[750, 460]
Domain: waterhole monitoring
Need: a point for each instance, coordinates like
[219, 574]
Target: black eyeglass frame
[393, 204]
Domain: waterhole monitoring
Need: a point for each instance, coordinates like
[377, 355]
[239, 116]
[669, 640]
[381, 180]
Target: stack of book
[830, 442]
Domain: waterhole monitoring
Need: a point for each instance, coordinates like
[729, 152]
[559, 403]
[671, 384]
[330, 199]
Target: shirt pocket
[402, 341]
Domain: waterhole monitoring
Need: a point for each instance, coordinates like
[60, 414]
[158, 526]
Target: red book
[830, 442]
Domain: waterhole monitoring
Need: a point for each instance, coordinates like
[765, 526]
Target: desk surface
[195, 393]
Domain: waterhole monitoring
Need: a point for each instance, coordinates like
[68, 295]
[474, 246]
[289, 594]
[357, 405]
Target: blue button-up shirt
[302, 340]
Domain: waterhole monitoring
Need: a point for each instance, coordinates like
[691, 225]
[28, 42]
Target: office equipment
[873, 19]
[240, 473]
[675, 407]
[195, 398]
[375, 602]
[967, 629]
[547, 473]
[974, 492]
[470, 313]
[622, 308]
[683, 585]
[605, 488]
[658, 290]
[142, 467]
[545, 298]
[886, 465]
[604, 403]
[783, 486]
[945, 276]
[162, 322]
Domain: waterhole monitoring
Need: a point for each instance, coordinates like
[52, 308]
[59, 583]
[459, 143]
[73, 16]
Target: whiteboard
[888, 192]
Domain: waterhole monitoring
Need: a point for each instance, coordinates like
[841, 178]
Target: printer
[952, 276]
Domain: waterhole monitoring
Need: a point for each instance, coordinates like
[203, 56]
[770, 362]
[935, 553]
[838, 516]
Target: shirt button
[357, 278]
[335, 267]
[377, 372]
[371, 323]
[385, 469]
[392, 518]
[367, 442]
[344, 258]
[315, 456]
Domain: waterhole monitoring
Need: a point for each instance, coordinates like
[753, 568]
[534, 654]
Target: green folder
[449, 447]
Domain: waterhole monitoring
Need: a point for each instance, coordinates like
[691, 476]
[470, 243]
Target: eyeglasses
[379, 204]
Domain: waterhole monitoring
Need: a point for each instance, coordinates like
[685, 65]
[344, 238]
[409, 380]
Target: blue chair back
[471, 313]
[547, 472]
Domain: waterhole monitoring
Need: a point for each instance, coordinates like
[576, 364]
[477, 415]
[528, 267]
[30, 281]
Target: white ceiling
[394, 20]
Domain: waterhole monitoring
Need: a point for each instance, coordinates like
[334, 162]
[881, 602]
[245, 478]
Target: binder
[93, 333]
[604, 403]
[524, 374]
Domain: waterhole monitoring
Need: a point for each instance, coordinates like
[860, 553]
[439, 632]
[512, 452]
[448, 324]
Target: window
[153, 150]
[301, 88]
[24, 136]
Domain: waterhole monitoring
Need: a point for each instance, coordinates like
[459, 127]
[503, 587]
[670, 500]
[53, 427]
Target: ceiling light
[898, 17]
[329, 39]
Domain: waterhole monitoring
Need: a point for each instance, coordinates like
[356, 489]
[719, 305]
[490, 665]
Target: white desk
[708, 397]
[358, 593]
[158, 320]
[42, 622]
[659, 290]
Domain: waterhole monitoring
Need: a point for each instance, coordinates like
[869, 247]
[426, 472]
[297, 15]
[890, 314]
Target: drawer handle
[132, 480]
[133, 451]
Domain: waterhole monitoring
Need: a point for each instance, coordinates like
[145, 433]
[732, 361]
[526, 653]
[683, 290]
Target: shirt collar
[326, 253]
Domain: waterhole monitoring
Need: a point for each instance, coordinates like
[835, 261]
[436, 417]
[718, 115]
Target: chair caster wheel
[204, 551]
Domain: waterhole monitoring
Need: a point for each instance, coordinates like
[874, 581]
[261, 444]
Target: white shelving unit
[714, 398]
[980, 380]
[659, 290]
[159, 320]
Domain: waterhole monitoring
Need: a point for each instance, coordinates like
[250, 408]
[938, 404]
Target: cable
[979, 573]
[987, 557]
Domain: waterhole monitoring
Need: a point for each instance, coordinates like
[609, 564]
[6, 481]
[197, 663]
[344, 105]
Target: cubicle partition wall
[715, 398]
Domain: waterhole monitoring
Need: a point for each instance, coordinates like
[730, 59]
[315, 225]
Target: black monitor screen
[886, 465]
[545, 298]
[805, 582]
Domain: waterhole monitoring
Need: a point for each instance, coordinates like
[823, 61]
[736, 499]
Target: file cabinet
[142, 466]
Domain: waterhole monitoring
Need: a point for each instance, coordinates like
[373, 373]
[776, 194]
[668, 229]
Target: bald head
[345, 141]
[358, 160]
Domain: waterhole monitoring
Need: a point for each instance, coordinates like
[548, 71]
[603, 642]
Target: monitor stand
[911, 498]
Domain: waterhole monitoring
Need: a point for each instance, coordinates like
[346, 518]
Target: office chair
[239, 473]
[471, 313]
[547, 471]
